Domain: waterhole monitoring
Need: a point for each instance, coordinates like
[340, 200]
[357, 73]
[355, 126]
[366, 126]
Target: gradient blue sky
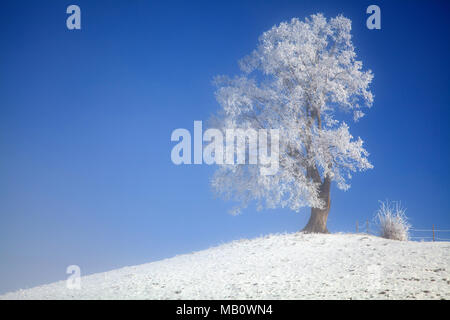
[86, 118]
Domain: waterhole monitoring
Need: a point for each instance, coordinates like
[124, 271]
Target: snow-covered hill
[284, 266]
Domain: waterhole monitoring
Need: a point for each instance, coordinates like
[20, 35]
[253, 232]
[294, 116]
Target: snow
[281, 266]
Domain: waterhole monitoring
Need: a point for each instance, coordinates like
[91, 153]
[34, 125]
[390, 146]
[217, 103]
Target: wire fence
[432, 234]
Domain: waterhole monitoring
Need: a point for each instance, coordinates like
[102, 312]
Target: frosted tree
[299, 78]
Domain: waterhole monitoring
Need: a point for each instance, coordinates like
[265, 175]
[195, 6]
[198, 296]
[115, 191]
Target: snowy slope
[284, 266]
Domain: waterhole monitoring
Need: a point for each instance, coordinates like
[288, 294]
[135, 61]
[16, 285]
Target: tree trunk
[318, 220]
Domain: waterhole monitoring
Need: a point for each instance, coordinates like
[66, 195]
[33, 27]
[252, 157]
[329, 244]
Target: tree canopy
[300, 76]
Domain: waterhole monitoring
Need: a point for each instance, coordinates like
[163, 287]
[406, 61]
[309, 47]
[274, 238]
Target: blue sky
[86, 118]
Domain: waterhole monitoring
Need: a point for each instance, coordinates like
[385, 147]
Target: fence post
[367, 226]
[356, 226]
[433, 232]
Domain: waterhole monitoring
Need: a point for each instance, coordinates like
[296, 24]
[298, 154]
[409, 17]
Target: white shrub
[392, 221]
